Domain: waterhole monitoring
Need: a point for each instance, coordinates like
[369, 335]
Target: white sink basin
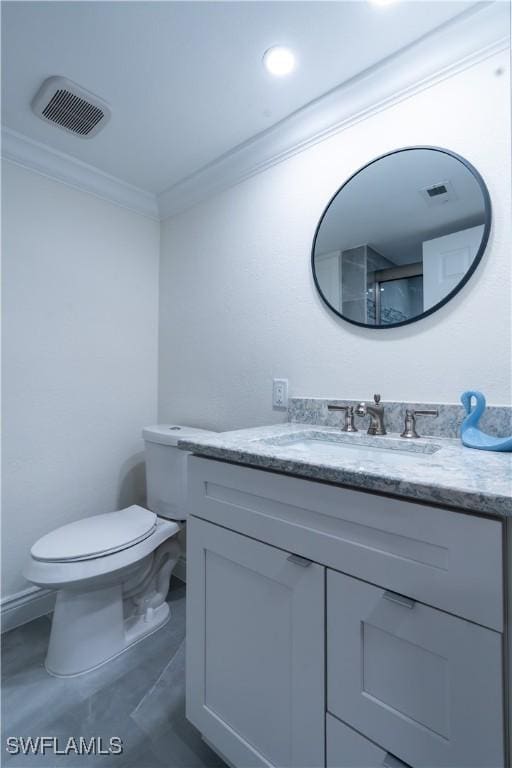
[325, 446]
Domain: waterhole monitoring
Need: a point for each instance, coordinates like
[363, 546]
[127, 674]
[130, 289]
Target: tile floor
[139, 697]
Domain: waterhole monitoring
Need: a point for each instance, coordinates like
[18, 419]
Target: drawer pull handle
[298, 560]
[390, 761]
[400, 599]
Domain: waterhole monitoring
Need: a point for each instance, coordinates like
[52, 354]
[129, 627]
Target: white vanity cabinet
[334, 628]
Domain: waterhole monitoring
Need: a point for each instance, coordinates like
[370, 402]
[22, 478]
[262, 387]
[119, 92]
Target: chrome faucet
[349, 425]
[376, 412]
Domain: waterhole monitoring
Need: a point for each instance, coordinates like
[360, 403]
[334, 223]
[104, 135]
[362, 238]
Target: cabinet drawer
[423, 684]
[348, 749]
[449, 560]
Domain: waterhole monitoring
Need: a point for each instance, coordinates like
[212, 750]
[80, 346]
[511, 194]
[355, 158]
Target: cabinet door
[420, 683]
[255, 649]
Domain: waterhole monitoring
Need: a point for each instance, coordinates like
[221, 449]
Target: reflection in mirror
[401, 237]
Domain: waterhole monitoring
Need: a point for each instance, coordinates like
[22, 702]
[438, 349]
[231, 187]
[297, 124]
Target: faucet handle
[349, 416]
[376, 399]
[410, 420]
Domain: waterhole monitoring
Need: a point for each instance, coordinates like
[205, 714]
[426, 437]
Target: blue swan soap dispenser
[471, 436]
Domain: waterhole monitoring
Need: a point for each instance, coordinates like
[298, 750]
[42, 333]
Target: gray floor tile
[161, 704]
[140, 697]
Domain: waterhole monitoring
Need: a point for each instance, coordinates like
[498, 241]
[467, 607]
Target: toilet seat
[96, 536]
[54, 574]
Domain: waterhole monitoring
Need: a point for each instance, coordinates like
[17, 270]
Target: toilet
[112, 571]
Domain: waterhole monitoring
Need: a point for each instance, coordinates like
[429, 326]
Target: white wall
[80, 358]
[237, 300]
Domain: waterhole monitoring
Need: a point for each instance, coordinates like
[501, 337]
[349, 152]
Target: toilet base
[161, 617]
[93, 626]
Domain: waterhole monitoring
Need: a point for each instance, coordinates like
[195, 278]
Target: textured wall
[237, 300]
[79, 358]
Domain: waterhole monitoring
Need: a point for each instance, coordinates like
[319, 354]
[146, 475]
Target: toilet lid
[96, 536]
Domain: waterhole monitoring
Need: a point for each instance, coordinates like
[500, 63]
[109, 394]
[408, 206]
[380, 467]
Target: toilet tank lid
[169, 434]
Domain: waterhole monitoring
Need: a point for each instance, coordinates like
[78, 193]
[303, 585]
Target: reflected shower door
[399, 300]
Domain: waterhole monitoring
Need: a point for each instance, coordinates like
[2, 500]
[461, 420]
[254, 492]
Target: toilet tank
[166, 468]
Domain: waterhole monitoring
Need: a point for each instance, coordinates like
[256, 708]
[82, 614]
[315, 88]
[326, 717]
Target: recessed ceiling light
[279, 61]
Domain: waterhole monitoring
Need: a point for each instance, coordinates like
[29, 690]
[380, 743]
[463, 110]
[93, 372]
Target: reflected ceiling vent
[69, 106]
[438, 194]
[440, 189]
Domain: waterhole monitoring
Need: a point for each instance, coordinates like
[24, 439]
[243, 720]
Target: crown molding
[461, 43]
[57, 165]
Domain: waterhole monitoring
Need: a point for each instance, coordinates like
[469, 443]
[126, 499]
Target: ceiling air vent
[69, 106]
[438, 189]
[440, 193]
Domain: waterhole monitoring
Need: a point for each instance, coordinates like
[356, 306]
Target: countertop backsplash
[497, 419]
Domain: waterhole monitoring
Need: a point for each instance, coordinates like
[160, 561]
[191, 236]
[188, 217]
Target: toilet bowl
[112, 571]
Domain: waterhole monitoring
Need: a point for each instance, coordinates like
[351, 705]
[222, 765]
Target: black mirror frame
[472, 268]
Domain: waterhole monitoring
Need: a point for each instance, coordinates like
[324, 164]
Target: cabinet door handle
[298, 560]
[407, 602]
[390, 761]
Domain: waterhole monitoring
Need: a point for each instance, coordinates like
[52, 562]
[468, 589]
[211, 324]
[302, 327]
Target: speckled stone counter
[452, 475]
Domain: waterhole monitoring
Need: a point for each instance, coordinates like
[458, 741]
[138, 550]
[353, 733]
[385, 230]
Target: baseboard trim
[25, 606]
[180, 571]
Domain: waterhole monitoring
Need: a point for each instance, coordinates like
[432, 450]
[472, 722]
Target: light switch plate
[280, 393]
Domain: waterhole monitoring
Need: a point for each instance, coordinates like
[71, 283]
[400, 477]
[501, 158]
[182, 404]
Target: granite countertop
[435, 469]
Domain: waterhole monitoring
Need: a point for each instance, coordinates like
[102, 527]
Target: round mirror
[401, 237]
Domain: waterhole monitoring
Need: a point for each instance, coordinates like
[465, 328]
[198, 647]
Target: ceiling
[184, 79]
